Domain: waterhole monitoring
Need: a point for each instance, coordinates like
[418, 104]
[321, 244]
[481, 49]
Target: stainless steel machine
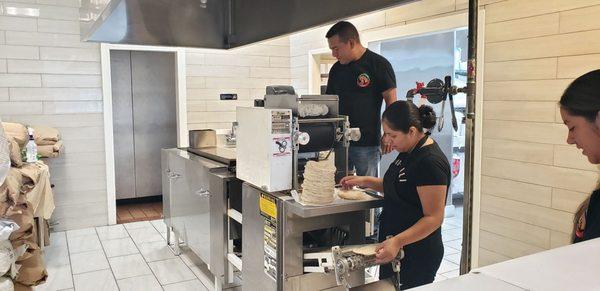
[283, 241]
[202, 207]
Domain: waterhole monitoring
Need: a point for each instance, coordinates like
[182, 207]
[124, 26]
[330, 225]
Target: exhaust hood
[220, 24]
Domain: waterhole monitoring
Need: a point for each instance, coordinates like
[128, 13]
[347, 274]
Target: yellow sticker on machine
[268, 206]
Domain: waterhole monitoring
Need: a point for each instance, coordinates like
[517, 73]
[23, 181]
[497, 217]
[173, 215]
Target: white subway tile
[299, 61]
[20, 80]
[236, 60]
[80, 133]
[556, 177]
[46, 39]
[280, 62]
[71, 107]
[3, 66]
[217, 71]
[194, 58]
[41, 11]
[82, 172]
[257, 72]
[18, 23]
[58, 26]
[55, 94]
[70, 54]
[227, 105]
[72, 81]
[19, 52]
[60, 120]
[4, 94]
[20, 108]
[70, 3]
[195, 82]
[53, 67]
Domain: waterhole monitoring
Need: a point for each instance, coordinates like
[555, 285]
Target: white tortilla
[353, 194]
[367, 250]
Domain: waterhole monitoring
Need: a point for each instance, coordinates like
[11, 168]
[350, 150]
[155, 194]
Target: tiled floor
[139, 212]
[452, 238]
[132, 256]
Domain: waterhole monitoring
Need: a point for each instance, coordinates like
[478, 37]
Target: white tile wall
[48, 76]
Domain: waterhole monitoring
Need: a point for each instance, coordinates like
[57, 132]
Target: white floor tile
[137, 224]
[171, 271]
[58, 239]
[457, 243]
[156, 251]
[55, 256]
[160, 225]
[96, 281]
[447, 266]
[452, 274]
[140, 283]
[455, 258]
[448, 236]
[129, 266]
[193, 285]
[145, 234]
[448, 250]
[440, 277]
[111, 232]
[88, 261]
[81, 232]
[83, 243]
[119, 247]
[58, 278]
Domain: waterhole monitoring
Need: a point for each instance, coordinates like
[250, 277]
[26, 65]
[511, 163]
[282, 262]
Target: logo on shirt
[363, 80]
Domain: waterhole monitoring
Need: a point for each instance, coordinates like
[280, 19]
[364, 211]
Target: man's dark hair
[344, 30]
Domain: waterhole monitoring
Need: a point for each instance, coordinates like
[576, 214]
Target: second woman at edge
[415, 188]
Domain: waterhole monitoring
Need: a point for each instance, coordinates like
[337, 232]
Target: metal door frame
[431, 26]
[181, 111]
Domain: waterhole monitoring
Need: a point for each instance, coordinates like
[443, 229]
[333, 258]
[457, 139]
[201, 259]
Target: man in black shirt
[362, 79]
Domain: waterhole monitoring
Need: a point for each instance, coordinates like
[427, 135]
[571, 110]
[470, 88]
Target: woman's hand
[351, 181]
[387, 250]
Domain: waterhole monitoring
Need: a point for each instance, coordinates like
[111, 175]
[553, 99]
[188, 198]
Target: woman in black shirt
[580, 111]
[415, 188]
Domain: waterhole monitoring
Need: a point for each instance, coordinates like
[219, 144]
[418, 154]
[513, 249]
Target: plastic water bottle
[31, 148]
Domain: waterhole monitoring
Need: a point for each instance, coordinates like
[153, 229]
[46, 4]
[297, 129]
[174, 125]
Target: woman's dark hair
[401, 115]
[582, 97]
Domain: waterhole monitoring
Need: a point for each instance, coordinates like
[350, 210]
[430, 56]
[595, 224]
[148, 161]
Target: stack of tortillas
[319, 182]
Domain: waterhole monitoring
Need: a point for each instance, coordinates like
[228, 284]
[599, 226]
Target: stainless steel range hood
[219, 24]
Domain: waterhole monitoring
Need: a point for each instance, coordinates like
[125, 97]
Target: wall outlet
[228, 96]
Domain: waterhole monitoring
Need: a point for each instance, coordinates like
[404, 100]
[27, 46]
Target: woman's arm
[362, 181]
[433, 202]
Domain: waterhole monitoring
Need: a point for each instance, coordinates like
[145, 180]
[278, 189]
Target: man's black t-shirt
[359, 85]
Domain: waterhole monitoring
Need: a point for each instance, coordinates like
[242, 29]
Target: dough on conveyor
[368, 250]
[353, 194]
[319, 181]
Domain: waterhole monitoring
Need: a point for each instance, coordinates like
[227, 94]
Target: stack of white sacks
[8, 256]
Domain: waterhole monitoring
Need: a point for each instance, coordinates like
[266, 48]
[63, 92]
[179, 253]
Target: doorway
[422, 58]
[145, 111]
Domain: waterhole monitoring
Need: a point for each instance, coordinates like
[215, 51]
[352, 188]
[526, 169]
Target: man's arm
[389, 96]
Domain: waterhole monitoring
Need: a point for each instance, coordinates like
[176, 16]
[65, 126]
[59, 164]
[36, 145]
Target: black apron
[402, 209]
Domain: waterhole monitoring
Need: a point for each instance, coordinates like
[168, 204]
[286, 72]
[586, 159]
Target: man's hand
[386, 146]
